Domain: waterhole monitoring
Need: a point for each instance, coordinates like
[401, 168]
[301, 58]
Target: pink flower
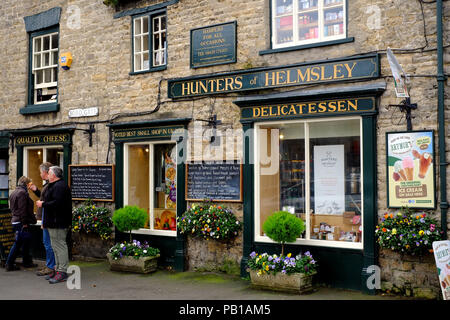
[432, 227]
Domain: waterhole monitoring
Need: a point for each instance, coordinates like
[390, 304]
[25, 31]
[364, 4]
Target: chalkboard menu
[95, 182]
[217, 181]
[6, 234]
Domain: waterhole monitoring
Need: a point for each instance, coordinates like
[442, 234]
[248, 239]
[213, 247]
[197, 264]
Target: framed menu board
[216, 181]
[95, 182]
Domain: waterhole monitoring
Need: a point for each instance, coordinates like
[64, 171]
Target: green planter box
[296, 282]
[130, 264]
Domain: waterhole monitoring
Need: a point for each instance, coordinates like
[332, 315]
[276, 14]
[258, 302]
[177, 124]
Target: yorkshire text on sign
[365, 67]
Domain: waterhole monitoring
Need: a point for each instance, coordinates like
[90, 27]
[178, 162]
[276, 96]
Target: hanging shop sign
[309, 108]
[213, 45]
[441, 251]
[410, 169]
[356, 68]
[43, 139]
[145, 133]
[95, 182]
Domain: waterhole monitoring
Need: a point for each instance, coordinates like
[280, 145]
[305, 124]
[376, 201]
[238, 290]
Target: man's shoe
[44, 271]
[50, 275]
[12, 267]
[60, 277]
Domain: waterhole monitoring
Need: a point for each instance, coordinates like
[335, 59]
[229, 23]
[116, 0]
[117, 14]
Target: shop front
[312, 153]
[33, 148]
[150, 174]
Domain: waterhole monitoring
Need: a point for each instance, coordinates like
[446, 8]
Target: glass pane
[163, 23]
[56, 156]
[46, 41]
[332, 2]
[46, 59]
[138, 176]
[155, 24]
[145, 45]
[37, 44]
[55, 58]
[47, 75]
[335, 180]
[283, 7]
[165, 182]
[308, 25]
[35, 158]
[55, 74]
[55, 41]
[307, 4]
[145, 25]
[333, 21]
[137, 26]
[146, 63]
[282, 170]
[284, 29]
[37, 61]
[156, 42]
[3, 181]
[137, 62]
[137, 44]
[39, 76]
[3, 166]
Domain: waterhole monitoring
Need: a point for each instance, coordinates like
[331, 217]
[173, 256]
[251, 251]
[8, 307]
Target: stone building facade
[101, 40]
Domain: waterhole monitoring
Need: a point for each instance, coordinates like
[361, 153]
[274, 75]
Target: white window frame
[151, 144]
[307, 240]
[41, 54]
[321, 22]
[156, 57]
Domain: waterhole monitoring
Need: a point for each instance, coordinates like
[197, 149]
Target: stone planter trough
[130, 264]
[296, 282]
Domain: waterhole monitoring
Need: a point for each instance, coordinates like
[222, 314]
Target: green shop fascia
[311, 152]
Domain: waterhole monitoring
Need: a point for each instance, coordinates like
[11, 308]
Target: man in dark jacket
[57, 205]
[22, 216]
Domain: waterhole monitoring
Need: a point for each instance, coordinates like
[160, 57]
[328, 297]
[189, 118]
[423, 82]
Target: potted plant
[132, 256]
[283, 272]
[407, 232]
[209, 221]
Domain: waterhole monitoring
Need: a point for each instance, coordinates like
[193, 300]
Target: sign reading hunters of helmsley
[333, 70]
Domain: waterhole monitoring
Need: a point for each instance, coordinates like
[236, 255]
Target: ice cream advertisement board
[441, 251]
[410, 169]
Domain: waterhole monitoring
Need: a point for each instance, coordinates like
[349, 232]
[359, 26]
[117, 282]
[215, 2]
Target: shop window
[34, 157]
[150, 183]
[149, 42]
[44, 66]
[4, 181]
[299, 22]
[312, 170]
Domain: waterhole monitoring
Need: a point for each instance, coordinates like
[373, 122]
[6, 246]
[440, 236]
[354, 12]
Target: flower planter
[130, 264]
[296, 282]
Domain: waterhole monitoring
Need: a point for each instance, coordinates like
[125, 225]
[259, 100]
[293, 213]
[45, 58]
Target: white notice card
[329, 179]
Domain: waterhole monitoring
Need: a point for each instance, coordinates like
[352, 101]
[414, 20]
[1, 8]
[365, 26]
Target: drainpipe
[441, 116]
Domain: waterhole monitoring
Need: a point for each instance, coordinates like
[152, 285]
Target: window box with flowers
[407, 232]
[92, 230]
[283, 272]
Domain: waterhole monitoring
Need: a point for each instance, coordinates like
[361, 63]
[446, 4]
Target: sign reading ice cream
[410, 171]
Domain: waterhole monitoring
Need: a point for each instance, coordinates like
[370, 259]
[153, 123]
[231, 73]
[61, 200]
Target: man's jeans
[23, 241]
[59, 246]
[50, 256]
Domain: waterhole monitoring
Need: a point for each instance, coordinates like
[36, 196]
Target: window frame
[150, 33]
[321, 40]
[44, 105]
[150, 144]
[256, 181]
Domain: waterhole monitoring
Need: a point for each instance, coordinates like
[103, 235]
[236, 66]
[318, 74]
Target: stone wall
[99, 77]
